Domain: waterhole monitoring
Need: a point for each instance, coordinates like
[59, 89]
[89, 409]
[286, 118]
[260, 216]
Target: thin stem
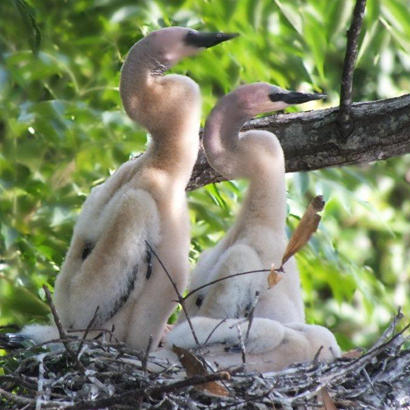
[61, 331]
[251, 316]
[87, 330]
[190, 293]
[241, 343]
[144, 361]
[213, 330]
[181, 299]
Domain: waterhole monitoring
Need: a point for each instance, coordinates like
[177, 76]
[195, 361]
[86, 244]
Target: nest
[89, 374]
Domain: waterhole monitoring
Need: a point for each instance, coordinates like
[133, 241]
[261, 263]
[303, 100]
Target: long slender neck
[221, 139]
[265, 200]
[254, 155]
[168, 106]
[137, 76]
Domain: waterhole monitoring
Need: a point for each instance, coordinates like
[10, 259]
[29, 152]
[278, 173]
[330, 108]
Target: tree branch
[311, 140]
[352, 48]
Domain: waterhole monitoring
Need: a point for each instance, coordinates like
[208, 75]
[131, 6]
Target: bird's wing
[233, 297]
[102, 272]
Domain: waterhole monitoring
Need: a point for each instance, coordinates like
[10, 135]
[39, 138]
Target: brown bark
[312, 140]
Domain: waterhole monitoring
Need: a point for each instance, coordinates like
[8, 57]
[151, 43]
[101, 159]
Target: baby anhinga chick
[278, 335]
[258, 237]
[109, 265]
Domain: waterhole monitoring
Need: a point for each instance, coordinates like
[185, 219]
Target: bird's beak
[201, 40]
[294, 97]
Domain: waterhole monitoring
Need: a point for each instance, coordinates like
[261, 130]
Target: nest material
[99, 374]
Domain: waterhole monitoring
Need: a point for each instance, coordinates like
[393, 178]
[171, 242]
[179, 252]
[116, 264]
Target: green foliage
[62, 131]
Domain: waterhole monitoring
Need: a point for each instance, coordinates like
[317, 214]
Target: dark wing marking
[148, 260]
[131, 278]
[88, 248]
[199, 300]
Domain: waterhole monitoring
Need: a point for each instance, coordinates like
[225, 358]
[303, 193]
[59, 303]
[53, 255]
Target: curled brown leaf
[307, 226]
[195, 367]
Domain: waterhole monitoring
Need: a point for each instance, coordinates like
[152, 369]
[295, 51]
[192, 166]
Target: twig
[61, 331]
[144, 363]
[95, 329]
[180, 299]
[40, 382]
[213, 330]
[19, 380]
[251, 315]
[190, 293]
[345, 111]
[57, 321]
[362, 359]
[317, 354]
[192, 381]
[80, 346]
[144, 360]
[241, 343]
[390, 329]
[16, 398]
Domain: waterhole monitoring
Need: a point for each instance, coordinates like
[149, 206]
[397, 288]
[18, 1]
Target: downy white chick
[109, 264]
[278, 335]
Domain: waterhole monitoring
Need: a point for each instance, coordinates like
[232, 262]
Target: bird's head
[169, 45]
[259, 98]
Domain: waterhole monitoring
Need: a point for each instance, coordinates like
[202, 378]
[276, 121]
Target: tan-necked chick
[108, 264]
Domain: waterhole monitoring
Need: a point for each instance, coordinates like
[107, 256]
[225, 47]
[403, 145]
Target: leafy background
[63, 131]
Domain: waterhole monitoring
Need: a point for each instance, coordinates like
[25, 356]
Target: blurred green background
[63, 131]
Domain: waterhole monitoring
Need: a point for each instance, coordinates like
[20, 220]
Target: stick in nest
[180, 298]
[61, 331]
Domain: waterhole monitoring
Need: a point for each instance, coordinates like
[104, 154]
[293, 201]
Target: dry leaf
[307, 226]
[194, 367]
[328, 403]
[274, 277]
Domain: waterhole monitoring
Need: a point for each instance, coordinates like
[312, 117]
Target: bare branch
[241, 343]
[250, 315]
[192, 381]
[13, 397]
[87, 330]
[312, 140]
[352, 48]
[146, 355]
[213, 331]
[61, 331]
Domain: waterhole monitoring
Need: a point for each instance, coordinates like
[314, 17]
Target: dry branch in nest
[114, 376]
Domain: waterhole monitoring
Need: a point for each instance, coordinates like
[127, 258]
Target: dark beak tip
[207, 39]
[229, 36]
[221, 37]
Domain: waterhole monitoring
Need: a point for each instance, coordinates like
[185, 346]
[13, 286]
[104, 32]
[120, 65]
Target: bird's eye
[88, 248]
